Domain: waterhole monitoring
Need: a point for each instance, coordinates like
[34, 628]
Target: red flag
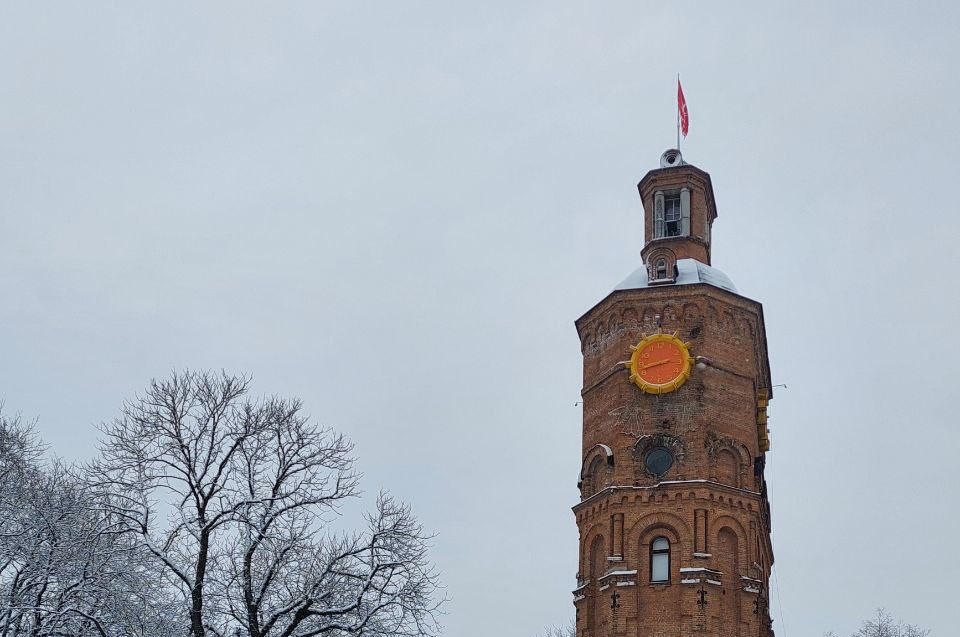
[683, 118]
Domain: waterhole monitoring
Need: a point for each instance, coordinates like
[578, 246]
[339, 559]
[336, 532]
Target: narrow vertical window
[658, 231]
[673, 215]
[685, 211]
[660, 560]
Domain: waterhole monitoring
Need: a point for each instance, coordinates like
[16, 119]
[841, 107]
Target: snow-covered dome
[688, 271]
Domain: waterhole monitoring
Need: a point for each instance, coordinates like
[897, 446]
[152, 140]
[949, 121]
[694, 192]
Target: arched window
[729, 561]
[593, 481]
[660, 560]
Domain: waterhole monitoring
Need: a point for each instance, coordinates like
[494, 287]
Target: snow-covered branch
[231, 498]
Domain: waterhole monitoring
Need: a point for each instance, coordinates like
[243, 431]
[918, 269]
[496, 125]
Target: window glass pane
[661, 544]
[658, 460]
[673, 215]
[672, 203]
[659, 567]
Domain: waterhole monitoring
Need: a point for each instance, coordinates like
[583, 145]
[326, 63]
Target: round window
[658, 460]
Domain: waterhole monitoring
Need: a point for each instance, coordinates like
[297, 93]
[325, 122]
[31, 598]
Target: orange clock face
[660, 363]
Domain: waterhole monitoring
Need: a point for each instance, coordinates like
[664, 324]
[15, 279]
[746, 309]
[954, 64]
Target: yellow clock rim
[662, 388]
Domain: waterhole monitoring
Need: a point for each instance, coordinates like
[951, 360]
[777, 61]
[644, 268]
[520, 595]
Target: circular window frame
[662, 451]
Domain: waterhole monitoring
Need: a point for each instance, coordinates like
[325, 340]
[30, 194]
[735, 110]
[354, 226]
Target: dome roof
[688, 271]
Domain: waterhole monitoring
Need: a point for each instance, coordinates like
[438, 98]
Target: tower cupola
[679, 210]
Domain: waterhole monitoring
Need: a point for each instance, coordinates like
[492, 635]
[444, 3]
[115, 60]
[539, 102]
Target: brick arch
[600, 330]
[599, 450]
[718, 524]
[596, 470]
[629, 317]
[741, 455]
[692, 310]
[734, 445]
[727, 468]
[589, 537]
[663, 526]
[641, 529]
[596, 548]
[613, 325]
[730, 547]
[670, 263]
[656, 530]
[597, 560]
[675, 444]
[641, 535]
[730, 578]
[602, 326]
[728, 520]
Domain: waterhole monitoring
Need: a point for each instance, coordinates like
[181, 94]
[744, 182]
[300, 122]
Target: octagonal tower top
[679, 210]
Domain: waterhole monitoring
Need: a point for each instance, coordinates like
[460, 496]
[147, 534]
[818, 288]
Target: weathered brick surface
[712, 503]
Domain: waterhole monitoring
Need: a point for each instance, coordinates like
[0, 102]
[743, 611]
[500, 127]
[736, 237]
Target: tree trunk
[196, 593]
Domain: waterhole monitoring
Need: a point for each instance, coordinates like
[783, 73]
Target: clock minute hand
[663, 362]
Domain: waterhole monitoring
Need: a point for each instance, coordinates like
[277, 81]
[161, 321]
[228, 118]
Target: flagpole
[678, 116]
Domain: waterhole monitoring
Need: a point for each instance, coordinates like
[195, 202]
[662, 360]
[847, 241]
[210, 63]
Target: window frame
[679, 201]
[676, 210]
[661, 552]
[647, 463]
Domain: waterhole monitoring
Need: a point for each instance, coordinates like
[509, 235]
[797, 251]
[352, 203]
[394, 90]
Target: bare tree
[247, 489]
[64, 570]
[569, 630]
[884, 625]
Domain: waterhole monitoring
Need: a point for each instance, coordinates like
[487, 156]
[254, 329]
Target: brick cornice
[670, 485]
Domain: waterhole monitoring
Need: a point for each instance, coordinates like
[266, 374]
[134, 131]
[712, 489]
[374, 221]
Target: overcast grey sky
[396, 211]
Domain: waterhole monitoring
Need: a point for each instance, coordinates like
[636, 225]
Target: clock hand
[663, 362]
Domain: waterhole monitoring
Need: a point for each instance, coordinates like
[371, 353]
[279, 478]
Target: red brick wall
[711, 505]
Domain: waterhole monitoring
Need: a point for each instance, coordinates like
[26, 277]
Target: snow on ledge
[688, 271]
[617, 574]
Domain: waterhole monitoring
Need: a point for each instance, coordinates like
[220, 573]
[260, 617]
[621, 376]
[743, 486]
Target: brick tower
[674, 518]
